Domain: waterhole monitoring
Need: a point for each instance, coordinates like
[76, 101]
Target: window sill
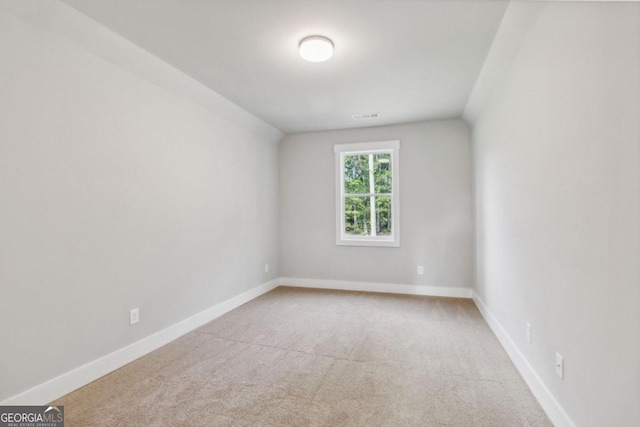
[364, 242]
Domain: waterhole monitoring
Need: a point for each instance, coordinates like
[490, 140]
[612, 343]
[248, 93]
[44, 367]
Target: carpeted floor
[303, 357]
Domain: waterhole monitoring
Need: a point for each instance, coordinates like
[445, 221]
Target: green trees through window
[367, 194]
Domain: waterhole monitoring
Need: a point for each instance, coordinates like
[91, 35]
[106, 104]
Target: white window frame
[342, 150]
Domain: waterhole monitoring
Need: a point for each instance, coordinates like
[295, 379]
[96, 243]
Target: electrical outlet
[266, 268]
[420, 270]
[134, 316]
[529, 332]
[560, 365]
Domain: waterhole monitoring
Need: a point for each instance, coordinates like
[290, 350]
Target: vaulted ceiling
[408, 60]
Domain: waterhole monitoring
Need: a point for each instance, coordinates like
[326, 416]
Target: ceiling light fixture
[316, 48]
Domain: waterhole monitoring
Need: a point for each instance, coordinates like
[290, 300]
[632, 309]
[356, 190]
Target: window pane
[356, 174]
[382, 172]
[357, 216]
[383, 215]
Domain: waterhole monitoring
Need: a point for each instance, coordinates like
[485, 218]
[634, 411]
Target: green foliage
[382, 173]
[383, 215]
[357, 213]
[357, 182]
[356, 174]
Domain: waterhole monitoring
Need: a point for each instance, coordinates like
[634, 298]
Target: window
[367, 203]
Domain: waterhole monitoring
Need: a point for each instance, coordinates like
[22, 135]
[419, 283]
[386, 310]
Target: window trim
[341, 150]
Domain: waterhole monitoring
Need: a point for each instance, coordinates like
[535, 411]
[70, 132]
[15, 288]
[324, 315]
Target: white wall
[557, 156]
[116, 193]
[435, 208]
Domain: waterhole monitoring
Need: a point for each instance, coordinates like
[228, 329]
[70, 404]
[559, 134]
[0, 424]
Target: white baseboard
[554, 410]
[72, 380]
[76, 378]
[436, 291]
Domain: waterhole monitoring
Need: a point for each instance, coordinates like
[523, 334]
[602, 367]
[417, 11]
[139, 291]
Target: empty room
[319, 213]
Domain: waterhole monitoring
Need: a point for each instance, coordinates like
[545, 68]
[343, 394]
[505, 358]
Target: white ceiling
[409, 60]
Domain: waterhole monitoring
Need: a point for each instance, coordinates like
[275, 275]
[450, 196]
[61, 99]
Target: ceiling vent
[365, 116]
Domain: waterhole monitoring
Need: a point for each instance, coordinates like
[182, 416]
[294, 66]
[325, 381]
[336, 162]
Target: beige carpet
[301, 357]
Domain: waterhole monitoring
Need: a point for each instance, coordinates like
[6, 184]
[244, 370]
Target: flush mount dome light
[316, 48]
